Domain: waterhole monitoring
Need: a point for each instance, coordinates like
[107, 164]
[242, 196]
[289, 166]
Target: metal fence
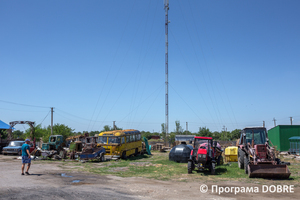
[295, 147]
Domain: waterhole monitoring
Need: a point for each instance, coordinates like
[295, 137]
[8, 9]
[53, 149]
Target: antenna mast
[166, 3]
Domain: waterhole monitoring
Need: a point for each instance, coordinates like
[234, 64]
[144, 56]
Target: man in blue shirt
[26, 156]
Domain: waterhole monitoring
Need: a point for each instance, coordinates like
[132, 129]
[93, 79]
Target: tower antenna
[166, 3]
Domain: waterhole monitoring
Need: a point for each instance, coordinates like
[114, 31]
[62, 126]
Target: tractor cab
[203, 151]
[203, 154]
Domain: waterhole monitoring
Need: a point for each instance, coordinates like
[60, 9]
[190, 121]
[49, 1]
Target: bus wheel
[124, 155]
[136, 152]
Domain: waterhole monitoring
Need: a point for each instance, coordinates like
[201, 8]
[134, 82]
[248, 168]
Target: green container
[279, 136]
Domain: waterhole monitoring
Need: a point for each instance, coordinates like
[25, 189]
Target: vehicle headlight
[204, 156]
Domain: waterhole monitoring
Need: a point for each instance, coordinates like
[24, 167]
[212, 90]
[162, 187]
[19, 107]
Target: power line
[23, 104]
[111, 65]
[44, 118]
[76, 116]
[187, 104]
[20, 110]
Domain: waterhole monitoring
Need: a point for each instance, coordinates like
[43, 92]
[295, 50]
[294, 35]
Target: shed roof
[4, 125]
[295, 138]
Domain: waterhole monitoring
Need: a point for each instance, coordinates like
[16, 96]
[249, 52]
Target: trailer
[96, 154]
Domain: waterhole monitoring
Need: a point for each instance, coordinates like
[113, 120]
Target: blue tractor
[56, 142]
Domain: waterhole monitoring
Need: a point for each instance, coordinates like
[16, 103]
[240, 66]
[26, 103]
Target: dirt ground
[49, 180]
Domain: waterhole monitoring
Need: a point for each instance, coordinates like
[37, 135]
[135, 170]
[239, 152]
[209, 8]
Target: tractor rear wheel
[246, 163]
[190, 167]
[241, 155]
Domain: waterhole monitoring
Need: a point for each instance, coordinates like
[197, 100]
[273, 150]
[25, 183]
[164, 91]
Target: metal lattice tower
[166, 3]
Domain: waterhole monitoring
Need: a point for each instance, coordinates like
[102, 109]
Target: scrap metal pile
[81, 147]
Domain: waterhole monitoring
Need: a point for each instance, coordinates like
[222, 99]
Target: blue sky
[231, 63]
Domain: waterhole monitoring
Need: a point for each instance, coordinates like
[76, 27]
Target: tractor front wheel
[190, 167]
[241, 155]
[246, 163]
[212, 168]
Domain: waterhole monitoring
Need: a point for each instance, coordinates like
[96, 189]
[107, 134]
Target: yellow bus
[121, 143]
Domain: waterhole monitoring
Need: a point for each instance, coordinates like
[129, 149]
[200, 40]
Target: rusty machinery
[257, 157]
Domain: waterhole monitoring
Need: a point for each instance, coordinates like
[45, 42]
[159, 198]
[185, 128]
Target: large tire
[246, 163]
[241, 155]
[190, 167]
[136, 152]
[102, 159]
[124, 155]
[213, 168]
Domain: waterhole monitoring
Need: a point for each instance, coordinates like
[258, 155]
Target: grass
[158, 166]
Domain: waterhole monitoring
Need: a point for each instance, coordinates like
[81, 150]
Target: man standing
[26, 156]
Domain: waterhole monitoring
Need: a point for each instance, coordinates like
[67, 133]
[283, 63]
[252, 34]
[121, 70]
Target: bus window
[102, 139]
[127, 138]
[122, 140]
[138, 137]
[134, 138]
[113, 140]
[131, 138]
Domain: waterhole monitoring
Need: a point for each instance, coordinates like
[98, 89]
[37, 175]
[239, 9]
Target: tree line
[65, 131]
[45, 132]
[203, 131]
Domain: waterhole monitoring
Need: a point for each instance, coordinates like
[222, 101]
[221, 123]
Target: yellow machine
[231, 154]
[121, 143]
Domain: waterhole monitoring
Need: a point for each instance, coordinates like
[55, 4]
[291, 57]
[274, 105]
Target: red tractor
[205, 154]
[257, 157]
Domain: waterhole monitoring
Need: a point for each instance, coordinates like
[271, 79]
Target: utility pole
[51, 120]
[114, 125]
[166, 3]
[274, 122]
[186, 125]
[264, 125]
[291, 118]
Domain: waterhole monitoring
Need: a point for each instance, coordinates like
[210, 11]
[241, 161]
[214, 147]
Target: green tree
[172, 137]
[216, 135]
[3, 134]
[38, 132]
[179, 129]
[163, 131]
[18, 134]
[44, 133]
[109, 128]
[93, 133]
[235, 134]
[225, 136]
[205, 132]
[146, 134]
